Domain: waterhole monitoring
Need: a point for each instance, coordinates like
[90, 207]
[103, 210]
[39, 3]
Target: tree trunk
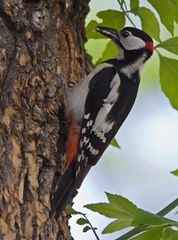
[41, 45]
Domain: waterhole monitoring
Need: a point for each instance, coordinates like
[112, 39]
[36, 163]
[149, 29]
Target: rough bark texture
[41, 44]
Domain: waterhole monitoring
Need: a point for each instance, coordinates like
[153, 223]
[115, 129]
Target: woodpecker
[98, 105]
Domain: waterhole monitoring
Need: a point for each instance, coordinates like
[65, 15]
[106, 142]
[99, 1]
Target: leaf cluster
[126, 214]
[160, 13]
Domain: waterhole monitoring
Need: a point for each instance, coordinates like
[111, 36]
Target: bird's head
[132, 42]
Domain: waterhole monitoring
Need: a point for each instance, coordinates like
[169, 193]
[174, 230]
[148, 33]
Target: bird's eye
[125, 34]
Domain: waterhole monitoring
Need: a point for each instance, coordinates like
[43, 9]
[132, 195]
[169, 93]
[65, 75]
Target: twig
[122, 4]
[92, 228]
[168, 208]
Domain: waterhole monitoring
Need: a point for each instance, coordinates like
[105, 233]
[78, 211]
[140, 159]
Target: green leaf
[119, 207]
[170, 45]
[149, 22]
[114, 143]
[134, 4]
[81, 221]
[116, 226]
[106, 209]
[71, 211]
[174, 6]
[166, 12]
[90, 33]
[123, 204]
[112, 18]
[169, 78]
[169, 234]
[108, 52]
[86, 229]
[175, 172]
[144, 217]
[149, 235]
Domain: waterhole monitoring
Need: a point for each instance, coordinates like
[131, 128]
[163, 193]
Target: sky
[140, 170]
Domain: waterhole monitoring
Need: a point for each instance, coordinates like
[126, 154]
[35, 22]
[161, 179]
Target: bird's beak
[108, 32]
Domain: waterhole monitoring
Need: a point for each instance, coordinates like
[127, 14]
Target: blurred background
[140, 170]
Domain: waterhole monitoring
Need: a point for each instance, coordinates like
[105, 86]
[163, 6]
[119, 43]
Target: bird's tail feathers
[65, 191]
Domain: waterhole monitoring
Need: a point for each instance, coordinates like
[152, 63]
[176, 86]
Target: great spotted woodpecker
[98, 105]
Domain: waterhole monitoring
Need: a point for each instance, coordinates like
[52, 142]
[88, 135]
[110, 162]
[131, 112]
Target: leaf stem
[142, 228]
[168, 208]
[125, 11]
[92, 228]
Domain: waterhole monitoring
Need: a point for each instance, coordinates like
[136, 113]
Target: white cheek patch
[132, 43]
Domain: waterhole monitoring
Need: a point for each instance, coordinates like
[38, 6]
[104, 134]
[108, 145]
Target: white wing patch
[86, 140]
[83, 130]
[86, 116]
[92, 150]
[101, 125]
[81, 157]
[89, 123]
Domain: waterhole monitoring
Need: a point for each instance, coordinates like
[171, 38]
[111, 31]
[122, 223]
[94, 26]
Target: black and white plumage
[100, 103]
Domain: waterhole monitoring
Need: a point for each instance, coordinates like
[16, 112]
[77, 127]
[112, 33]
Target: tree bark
[41, 45]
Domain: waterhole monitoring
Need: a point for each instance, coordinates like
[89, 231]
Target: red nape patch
[149, 46]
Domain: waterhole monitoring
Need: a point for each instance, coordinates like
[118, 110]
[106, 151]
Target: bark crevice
[41, 43]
